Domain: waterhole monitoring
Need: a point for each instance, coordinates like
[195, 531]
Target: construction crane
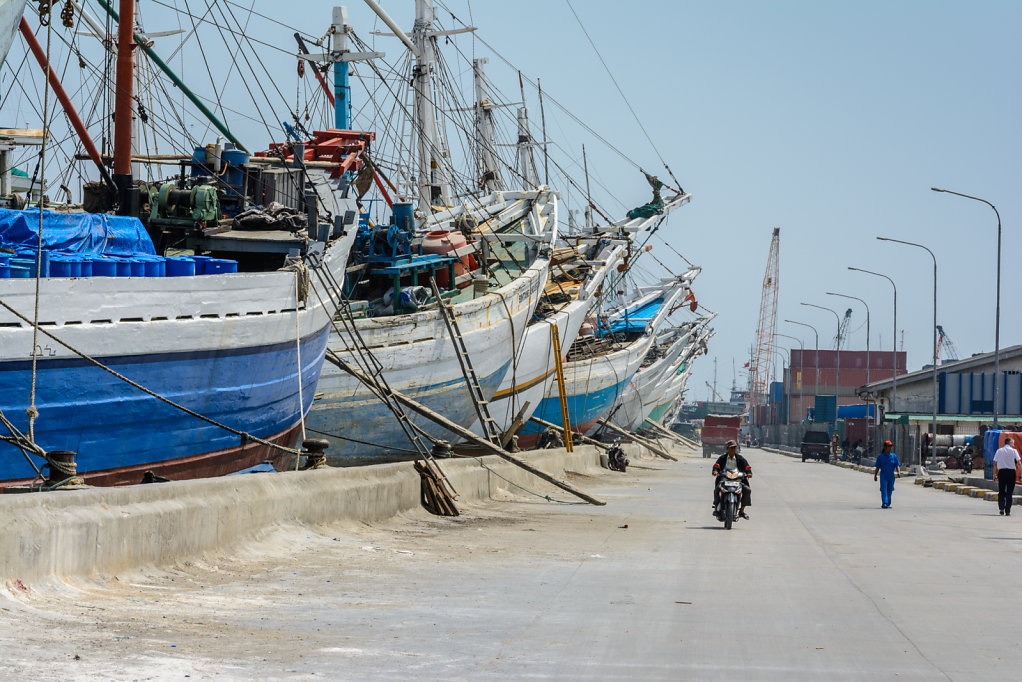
[944, 344]
[842, 330]
[713, 392]
[759, 369]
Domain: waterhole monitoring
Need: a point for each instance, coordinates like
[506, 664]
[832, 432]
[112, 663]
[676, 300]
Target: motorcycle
[616, 459]
[730, 485]
[967, 461]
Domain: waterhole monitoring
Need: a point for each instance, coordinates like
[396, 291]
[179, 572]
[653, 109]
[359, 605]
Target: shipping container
[856, 411]
[825, 408]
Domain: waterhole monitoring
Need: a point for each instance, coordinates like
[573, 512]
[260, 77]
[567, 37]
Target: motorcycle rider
[728, 461]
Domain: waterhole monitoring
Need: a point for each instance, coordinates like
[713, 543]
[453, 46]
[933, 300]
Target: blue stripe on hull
[362, 416]
[111, 424]
[582, 408]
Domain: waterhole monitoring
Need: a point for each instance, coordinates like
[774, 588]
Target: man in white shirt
[1006, 459]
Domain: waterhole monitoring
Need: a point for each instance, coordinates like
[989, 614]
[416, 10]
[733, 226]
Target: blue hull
[363, 417]
[583, 409]
[112, 425]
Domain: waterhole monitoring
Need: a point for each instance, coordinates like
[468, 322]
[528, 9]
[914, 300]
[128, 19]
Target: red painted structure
[800, 379]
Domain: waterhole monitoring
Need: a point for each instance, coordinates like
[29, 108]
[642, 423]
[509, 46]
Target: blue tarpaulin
[636, 320]
[74, 232]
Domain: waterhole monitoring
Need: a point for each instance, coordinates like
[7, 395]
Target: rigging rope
[33, 411]
[620, 91]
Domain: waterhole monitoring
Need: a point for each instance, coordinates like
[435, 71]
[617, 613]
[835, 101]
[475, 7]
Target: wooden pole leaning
[668, 434]
[645, 442]
[459, 430]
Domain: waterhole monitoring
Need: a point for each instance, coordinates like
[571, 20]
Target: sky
[830, 120]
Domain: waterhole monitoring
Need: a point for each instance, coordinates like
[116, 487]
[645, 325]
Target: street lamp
[933, 441]
[837, 353]
[801, 364]
[997, 320]
[894, 345]
[816, 384]
[856, 298]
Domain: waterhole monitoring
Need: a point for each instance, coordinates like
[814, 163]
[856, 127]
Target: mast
[339, 56]
[489, 180]
[342, 88]
[589, 194]
[542, 120]
[123, 113]
[526, 161]
[432, 183]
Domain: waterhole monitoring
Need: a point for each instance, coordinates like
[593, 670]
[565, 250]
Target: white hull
[418, 359]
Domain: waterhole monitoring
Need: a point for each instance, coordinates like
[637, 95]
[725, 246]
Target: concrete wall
[111, 530]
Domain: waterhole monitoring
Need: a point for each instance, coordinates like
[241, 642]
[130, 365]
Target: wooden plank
[669, 434]
[645, 442]
[459, 430]
[576, 435]
[516, 425]
[35, 133]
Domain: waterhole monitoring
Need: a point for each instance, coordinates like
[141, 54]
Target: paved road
[820, 584]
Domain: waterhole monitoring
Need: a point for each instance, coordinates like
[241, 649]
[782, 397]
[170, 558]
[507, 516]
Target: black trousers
[1005, 489]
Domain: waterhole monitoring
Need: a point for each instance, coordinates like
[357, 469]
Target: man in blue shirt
[888, 467]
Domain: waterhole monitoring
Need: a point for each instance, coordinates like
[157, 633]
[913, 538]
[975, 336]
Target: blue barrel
[233, 158]
[19, 272]
[59, 266]
[404, 215]
[151, 265]
[5, 270]
[123, 266]
[85, 265]
[180, 266]
[136, 266]
[200, 264]
[104, 266]
[199, 159]
[29, 260]
[219, 266]
[75, 265]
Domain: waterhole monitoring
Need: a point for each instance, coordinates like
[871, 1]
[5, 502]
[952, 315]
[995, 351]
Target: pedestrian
[1006, 461]
[887, 467]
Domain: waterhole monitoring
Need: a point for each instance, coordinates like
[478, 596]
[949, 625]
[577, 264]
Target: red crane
[759, 368]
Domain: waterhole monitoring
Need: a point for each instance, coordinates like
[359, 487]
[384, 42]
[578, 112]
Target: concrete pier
[819, 584]
[104, 531]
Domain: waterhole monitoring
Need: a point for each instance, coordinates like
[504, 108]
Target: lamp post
[816, 384]
[933, 441]
[856, 298]
[997, 313]
[894, 336]
[801, 363]
[837, 354]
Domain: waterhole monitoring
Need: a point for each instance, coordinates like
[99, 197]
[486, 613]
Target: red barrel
[443, 242]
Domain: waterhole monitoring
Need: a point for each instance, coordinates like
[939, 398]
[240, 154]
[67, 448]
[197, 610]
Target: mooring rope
[32, 411]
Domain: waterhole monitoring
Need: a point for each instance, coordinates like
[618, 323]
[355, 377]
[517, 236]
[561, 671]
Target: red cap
[887, 442]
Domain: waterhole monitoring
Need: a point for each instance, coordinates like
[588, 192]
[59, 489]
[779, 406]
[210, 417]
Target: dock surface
[819, 584]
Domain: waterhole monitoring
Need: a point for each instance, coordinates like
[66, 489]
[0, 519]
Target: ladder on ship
[372, 366]
[555, 337]
[488, 424]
